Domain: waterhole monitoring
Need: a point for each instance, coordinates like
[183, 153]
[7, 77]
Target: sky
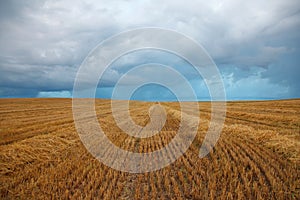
[254, 44]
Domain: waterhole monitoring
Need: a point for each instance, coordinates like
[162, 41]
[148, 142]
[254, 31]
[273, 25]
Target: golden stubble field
[256, 157]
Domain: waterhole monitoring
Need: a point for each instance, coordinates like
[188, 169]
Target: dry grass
[256, 157]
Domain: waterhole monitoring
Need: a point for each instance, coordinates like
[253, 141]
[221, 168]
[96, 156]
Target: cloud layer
[255, 44]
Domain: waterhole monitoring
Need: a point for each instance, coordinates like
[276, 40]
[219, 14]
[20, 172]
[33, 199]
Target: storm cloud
[255, 44]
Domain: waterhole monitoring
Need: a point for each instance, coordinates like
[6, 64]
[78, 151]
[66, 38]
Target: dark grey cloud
[42, 43]
[286, 72]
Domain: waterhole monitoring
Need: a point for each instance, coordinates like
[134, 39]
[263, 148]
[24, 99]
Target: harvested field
[256, 157]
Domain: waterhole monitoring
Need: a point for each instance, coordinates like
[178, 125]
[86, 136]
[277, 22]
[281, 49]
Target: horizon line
[143, 100]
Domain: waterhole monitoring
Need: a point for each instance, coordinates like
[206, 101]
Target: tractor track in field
[266, 170]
